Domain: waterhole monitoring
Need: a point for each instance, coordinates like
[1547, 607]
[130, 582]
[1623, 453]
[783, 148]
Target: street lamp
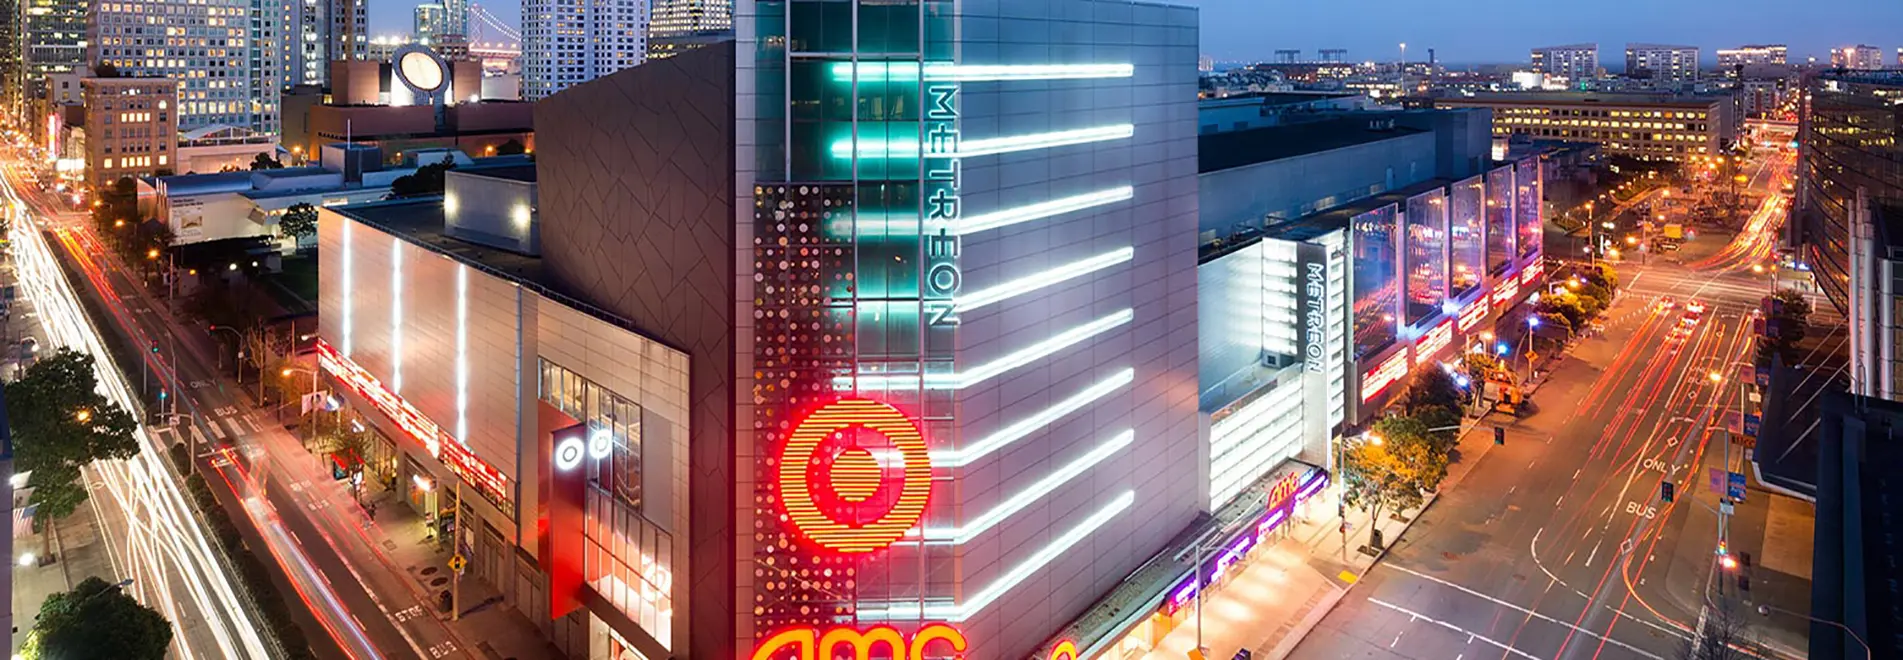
[286, 372]
[1766, 610]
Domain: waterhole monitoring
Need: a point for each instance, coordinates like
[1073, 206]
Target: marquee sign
[1379, 378]
[1473, 314]
[836, 493]
[1433, 342]
[810, 643]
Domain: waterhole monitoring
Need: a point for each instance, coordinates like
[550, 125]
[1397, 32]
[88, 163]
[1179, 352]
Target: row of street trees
[60, 423]
[1405, 455]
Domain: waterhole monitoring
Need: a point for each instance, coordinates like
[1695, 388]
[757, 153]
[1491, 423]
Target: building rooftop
[1221, 151]
[1316, 224]
[419, 220]
[511, 171]
[289, 172]
[1587, 98]
[198, 184]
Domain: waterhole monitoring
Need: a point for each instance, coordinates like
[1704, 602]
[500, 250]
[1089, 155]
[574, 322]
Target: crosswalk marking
[218, 430]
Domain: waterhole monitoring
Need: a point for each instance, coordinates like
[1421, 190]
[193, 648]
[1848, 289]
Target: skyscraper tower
[236, 85]
[315, 33]
[566, 42]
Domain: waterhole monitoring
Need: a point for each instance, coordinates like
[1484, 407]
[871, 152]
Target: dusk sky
[1464, 31]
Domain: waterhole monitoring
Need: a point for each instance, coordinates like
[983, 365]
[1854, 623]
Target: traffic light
[1666, 491]
[1499, 435]
[155, 348]
[161, 395]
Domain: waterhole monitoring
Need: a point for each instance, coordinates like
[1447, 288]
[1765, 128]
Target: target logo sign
[837, 490]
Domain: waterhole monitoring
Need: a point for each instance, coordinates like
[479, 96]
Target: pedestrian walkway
[76, 553]
[1281, 592]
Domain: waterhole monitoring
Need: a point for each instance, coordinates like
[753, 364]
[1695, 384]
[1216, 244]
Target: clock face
[421, 71]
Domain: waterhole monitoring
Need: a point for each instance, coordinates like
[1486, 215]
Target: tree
[511, 148]
[1396, 473]
[105, 70]
[265, 162]
[99, 620]
[1792, 318]
[427, 180]
[300, 221]
[60, 423]
[1726, 636]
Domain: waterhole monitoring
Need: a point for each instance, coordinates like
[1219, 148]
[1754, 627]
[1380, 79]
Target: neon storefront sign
[1533, 271]
[812, 643]
[1504, 293]
[1379, 378]
[1291, 489]
[1472, 315]
[1433, 342]
[836, 493]
[435, 440]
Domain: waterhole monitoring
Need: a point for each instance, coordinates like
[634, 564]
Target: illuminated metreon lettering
[943, 206]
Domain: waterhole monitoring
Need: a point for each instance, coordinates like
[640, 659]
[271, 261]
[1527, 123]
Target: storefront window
[601, 408]
[629, 561]
[1377, 292]
[1499, 220]
[1467, 244]
[1426, 255]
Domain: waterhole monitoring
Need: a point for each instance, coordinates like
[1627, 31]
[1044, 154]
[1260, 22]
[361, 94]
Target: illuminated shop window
[601, 408]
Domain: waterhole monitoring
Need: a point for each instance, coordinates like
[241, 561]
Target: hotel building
[1644, 126]
[897, 312]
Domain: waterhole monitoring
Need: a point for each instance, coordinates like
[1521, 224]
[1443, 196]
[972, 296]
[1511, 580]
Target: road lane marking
[1576, 473]
[1595, 553]
[1506, 604]
[1449, 626]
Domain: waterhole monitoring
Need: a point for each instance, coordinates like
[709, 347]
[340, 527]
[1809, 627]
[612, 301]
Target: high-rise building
[1728, 58]
[456, 17]
[1664, 65]
[1858, 57]
[1576, 62]
[316, 33]
[1849, 204]
[568, 42]
[54, 41]
[430, 23]
[679, 25]
[12, 69]
[236, 84]
[131, 127]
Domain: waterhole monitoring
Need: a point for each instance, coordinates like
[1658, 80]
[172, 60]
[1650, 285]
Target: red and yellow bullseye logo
[834, 487]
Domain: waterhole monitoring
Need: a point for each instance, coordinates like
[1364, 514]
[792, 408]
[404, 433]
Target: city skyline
[1500, 32]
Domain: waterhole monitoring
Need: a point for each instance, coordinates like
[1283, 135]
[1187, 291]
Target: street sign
[458, 563]
[1726, 508]
[1734, 487]
[1763, 378]
[1751, 423]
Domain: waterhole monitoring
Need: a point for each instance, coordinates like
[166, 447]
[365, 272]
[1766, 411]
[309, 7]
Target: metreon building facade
[925, 273]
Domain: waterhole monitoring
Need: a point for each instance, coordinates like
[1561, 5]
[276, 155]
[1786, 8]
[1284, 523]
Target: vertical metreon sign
[1311, 286]
[942, 204]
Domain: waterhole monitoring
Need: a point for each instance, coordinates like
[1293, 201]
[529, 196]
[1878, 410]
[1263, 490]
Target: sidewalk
[1282, 592]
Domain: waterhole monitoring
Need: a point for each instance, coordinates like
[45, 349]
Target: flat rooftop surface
[1221, 151]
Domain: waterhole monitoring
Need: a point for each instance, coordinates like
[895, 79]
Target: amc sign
[809, 643]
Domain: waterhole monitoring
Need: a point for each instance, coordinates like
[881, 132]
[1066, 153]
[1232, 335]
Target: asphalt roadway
[1558, 545]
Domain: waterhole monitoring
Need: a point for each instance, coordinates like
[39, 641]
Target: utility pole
[456, 580]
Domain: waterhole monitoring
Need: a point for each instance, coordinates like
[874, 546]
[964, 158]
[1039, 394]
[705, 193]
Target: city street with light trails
[158, 541]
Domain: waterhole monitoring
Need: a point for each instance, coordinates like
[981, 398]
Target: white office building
[1663, 64]
[567, 42]
[1576, 61]
[235, 83]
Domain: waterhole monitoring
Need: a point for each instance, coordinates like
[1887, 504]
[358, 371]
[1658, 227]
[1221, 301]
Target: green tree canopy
[427, 180]
[1396, 473]
[299, 221]
[60, 423]
[265, 162]
[99, 620]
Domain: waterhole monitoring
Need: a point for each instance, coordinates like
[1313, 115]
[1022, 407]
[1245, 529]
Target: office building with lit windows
[223, 53]
[1576, 62]
[680, 25]
[1730, 58]
[569, 42]
[1663, 65]
[900, 312]
[1644, 126]
[131, 126]
[318, 32]
[1858, 57]
[52, 41]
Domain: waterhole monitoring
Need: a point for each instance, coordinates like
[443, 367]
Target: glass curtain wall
[1527, 209]
[1500, 220]
[1466, 236]
[1377, 285]
[1426, 255]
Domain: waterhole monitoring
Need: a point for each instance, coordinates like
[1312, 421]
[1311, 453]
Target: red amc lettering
[811, 643]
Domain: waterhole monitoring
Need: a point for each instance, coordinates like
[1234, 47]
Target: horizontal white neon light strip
[983, 372]
[843, 71]
[954, 613]
[952, 458]
[1024, 498]
[908, 147]
[1039, 280]
[973, 224]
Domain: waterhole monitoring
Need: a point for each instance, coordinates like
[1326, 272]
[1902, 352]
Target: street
[1558, 544]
